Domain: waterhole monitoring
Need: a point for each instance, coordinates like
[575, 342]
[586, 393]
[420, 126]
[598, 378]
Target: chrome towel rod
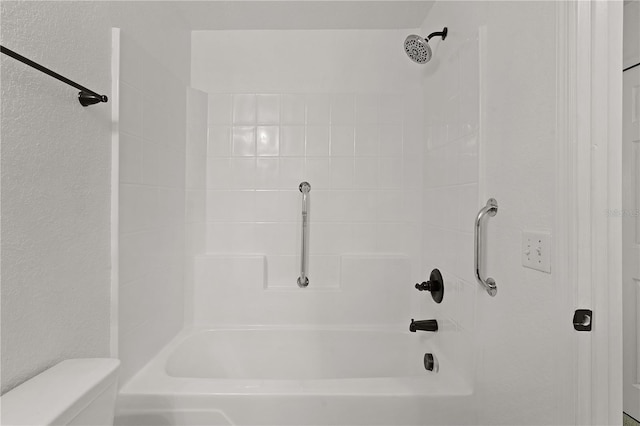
[490, 209]
[86, 96]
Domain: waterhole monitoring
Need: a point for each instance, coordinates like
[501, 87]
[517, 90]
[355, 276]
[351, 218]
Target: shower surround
[356, 134]
[400, 158]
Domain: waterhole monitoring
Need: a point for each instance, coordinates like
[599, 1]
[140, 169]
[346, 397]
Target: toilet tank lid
[58, 394]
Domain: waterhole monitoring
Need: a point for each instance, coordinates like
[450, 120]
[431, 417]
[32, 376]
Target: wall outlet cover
[536, 250]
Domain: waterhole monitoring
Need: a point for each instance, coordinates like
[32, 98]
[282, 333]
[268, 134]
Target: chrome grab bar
[303, 279]
[491, 209]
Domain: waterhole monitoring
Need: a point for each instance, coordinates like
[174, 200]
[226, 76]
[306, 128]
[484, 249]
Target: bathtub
[295, 376]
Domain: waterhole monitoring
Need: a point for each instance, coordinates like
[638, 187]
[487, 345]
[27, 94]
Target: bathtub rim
[153, 379]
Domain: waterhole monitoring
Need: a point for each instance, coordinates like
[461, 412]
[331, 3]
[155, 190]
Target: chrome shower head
[418, 49]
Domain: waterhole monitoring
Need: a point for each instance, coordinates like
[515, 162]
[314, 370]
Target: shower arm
[86, 96]
[442, 34]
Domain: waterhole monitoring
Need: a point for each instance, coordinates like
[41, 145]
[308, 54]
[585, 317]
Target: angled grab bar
[490, 209]
[303, 279]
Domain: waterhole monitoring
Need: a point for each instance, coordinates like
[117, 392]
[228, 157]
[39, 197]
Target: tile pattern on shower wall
[151, 206]
[450, 191]
[361, 157]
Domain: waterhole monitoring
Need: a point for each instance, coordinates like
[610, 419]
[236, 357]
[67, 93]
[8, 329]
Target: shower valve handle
[435, 285]
[428, 286]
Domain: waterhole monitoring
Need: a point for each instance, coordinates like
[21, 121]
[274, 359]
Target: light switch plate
[536, 250]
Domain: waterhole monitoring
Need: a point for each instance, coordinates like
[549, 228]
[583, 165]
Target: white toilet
[73, 392]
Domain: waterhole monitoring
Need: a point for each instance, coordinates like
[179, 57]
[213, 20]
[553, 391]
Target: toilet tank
[73, 392]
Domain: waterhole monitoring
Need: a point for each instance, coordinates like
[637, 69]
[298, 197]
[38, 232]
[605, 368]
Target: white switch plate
[536, 250]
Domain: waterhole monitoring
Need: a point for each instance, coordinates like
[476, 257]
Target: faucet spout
[423, 325]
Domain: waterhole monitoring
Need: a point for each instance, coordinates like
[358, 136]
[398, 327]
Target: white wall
[513, 160]
[55, 188]
[631, 56]
[631, 28]
[196, 194]
[153, 130]
[331, 108]
[301, 61]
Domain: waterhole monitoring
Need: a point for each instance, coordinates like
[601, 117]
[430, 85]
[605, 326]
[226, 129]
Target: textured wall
[55, 188]
[56, 182]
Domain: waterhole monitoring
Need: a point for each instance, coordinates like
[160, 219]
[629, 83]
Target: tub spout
[423, 325]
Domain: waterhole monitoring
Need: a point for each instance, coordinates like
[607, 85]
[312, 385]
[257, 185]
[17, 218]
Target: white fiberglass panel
[286, 354]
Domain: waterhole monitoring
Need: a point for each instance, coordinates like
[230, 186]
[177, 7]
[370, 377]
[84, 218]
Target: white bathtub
[294, 376]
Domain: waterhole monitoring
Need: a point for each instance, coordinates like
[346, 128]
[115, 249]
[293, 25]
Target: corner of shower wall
[195, 191]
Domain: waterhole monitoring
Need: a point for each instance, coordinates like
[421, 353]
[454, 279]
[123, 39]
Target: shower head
[418, 49]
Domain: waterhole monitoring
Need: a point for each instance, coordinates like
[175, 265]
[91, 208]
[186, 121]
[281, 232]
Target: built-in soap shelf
[235, 289]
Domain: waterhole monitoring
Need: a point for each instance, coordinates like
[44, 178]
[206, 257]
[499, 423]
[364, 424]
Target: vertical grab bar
[303, 279]
[491, 209]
